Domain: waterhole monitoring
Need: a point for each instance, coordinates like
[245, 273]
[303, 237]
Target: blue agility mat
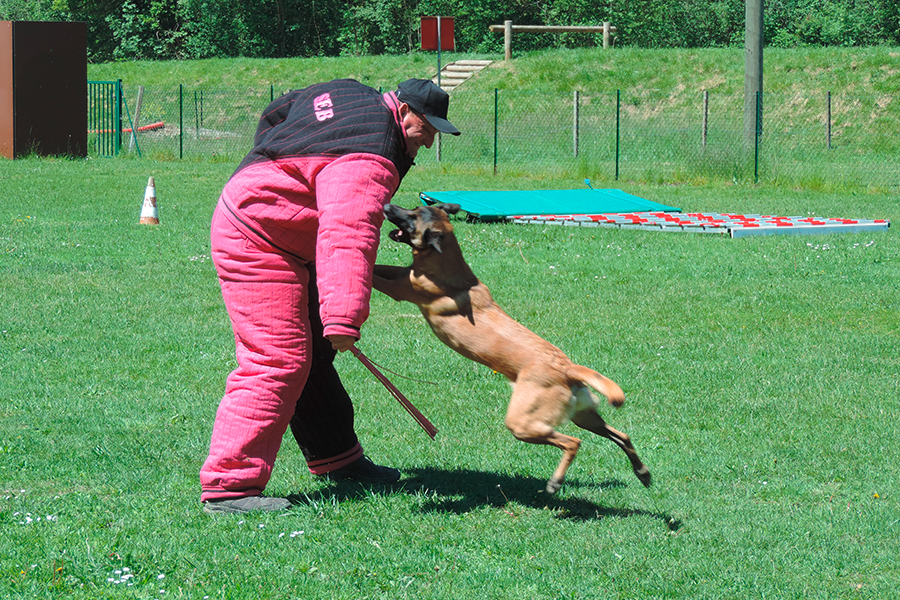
[500, 205]
[615, 208]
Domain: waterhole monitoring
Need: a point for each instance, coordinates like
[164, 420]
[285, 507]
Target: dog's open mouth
[398, 235]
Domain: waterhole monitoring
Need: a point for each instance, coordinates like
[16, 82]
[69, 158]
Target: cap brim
[442, 125]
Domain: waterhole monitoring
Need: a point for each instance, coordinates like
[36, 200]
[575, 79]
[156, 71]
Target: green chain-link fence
[810, 138]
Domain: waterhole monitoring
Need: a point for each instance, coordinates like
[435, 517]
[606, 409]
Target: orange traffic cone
[149, 212]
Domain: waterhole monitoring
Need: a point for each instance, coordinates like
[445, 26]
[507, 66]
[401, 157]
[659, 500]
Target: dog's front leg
[393, 281]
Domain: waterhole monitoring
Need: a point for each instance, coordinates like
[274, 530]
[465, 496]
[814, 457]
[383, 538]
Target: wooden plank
[551, 29]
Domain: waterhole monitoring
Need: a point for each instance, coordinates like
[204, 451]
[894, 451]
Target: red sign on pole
[430, 33]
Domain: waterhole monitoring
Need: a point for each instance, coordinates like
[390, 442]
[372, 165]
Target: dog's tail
[609, 388]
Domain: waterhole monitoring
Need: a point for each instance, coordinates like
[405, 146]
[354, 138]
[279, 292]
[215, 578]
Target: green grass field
[761, 377]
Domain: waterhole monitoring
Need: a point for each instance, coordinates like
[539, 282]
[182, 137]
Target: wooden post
[508, 29]
[753, 70]
[507, 39]
[575, 127]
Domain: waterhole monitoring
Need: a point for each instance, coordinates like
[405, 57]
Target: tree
[169, 29]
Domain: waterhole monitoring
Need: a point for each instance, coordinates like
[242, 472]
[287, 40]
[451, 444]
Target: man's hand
[341, 343]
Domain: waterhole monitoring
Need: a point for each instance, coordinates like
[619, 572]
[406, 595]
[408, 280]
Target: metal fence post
[705, 117]
[618, 107]
[196, 116]
[828, 121]
[496, 119]
[180, 120]
[439, 58]
[757, 135]
[575, 126]
[137, 119]
[134, 127]
[118, 116]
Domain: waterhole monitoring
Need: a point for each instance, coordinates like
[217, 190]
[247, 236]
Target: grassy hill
[863, 70]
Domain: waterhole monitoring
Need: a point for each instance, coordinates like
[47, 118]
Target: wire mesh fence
[810, 138]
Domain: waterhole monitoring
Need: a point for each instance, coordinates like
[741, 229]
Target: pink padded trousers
[266, 296]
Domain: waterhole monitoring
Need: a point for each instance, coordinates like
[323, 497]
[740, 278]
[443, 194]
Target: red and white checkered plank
[722, 223]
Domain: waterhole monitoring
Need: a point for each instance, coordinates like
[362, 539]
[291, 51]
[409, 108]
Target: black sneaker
[363, 469]
[246, 504]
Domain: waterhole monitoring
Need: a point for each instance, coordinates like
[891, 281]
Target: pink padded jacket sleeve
[350, 193]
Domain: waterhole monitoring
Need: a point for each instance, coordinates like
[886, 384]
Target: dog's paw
[643, 474]
[553, 486]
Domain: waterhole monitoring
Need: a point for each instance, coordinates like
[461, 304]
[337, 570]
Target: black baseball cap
[427, 99]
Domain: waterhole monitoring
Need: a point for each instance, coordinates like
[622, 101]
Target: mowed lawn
[761, 377]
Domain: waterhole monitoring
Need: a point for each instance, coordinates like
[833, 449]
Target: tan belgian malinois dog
[548, 388]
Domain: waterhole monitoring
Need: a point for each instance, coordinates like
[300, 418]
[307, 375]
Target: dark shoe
[363, 469]
[246, 504]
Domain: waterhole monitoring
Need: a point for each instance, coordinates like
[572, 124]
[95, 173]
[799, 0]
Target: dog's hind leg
[593, 422]
[531, 417]
[569, 446]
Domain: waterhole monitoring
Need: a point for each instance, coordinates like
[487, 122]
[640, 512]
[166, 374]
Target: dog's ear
[450, 209]
[433, 238]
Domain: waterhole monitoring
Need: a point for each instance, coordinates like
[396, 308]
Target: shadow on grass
[462, 490]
